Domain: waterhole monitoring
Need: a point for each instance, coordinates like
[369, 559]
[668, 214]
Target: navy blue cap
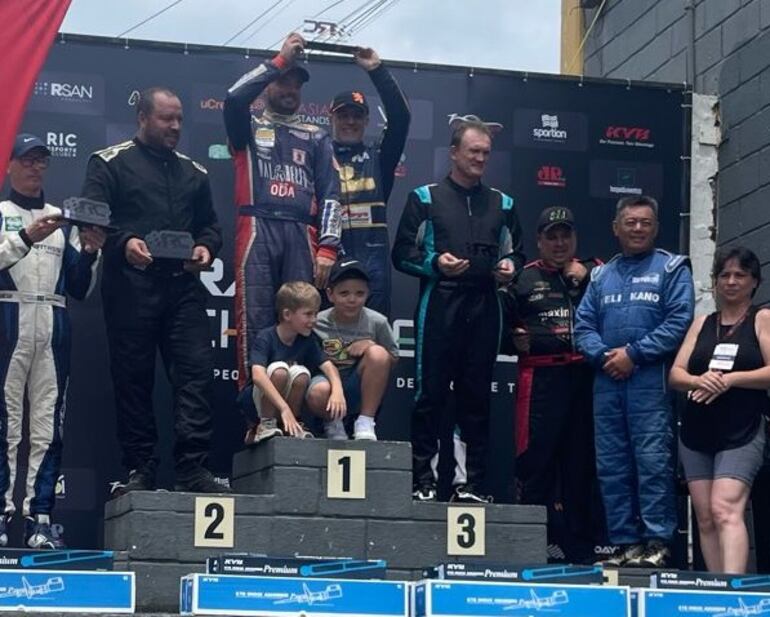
[347, 269]
[25, 142]
[354, 98]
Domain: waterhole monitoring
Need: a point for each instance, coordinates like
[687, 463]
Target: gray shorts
[739, 463]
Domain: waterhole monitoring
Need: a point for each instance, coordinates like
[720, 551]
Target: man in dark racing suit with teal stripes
[367, 172]
[462, 239]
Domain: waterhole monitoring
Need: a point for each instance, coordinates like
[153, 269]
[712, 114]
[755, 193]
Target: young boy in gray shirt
[361, 345]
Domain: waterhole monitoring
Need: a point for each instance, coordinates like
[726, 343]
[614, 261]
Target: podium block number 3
[465, 531]
[346, 474]
[215, 522]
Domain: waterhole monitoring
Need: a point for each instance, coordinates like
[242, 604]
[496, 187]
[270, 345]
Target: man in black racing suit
[461, 238]
[554, 437]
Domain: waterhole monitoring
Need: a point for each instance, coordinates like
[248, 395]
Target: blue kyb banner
[62, 591]
[203, 594]
[462, 599]
[656, 603]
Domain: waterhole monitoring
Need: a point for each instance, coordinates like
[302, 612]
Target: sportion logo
[549, 130]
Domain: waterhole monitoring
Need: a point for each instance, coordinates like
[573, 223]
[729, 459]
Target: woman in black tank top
[724, 367]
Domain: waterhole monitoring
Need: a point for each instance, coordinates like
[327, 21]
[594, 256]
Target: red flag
[29, 27]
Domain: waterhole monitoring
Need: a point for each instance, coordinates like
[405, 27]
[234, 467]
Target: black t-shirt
[732, 419]
[268, 348]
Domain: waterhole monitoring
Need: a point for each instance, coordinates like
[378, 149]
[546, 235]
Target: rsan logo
[549, 130]
[551, 175]
[62, 145]
[62, 90]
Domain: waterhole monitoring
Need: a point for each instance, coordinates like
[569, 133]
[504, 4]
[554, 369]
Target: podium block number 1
[465, 531]
[346, 474]
[215, 522]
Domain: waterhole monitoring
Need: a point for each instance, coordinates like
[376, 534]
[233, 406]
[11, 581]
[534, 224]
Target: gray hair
[634, 201]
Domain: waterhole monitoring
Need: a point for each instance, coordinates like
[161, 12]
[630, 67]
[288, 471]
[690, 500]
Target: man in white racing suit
[42, 258]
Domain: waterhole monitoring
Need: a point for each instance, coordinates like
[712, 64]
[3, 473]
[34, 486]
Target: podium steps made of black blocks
[282, 508]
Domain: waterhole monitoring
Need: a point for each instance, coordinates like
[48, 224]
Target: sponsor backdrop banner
[564, 143]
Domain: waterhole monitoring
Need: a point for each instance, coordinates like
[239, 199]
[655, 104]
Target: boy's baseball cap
[348, 269]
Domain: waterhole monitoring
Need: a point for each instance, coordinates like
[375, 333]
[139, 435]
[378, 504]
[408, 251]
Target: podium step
[292, 509]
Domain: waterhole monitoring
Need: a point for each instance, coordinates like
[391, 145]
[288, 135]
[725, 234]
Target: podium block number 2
[465, 531]
[346, 474]
[215, 522]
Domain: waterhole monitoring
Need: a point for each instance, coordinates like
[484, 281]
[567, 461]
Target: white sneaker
[335, 430]
[364, 431]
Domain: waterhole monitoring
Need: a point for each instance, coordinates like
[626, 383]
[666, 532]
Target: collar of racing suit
[637, 256]
[461, 189]
[291, 120]
[28, 203]
[349, 148]
[161, 153]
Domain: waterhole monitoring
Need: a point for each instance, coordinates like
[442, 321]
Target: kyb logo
[631, 136]
[62, 145]
[551, 175]
[549, 129]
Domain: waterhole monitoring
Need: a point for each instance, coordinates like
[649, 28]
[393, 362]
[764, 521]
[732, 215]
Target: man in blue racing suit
[630, 323]
[286, 191]
[367, 172]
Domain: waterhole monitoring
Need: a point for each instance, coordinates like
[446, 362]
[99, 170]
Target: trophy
[335, 48]
[167, 244]
[84, 211]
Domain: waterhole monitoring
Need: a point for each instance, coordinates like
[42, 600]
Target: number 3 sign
[465, 531]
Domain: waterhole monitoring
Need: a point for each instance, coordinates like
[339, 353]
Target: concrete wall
[652, 40]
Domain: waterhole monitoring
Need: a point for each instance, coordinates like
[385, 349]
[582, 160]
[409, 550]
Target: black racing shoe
[656, 555]
[622, 555]
[39, 533]
[425, 492]
[464, 493]
[138, 480]
[201, 481]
